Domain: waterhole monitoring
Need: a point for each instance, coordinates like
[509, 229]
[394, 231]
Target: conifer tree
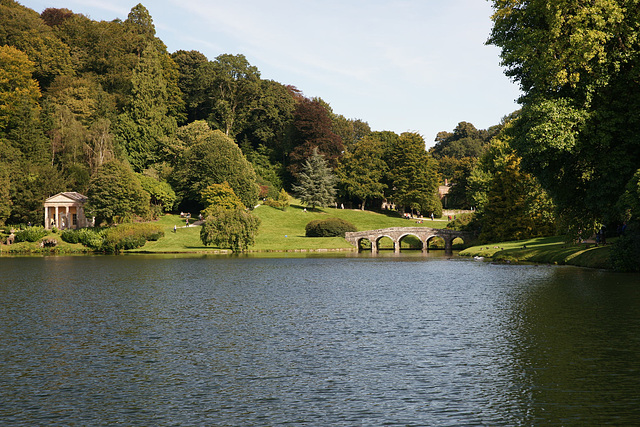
[316, 183]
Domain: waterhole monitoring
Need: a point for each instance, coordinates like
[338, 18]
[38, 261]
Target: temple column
[56, 218]
[46, 217]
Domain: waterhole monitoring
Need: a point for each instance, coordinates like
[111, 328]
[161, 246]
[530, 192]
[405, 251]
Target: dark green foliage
[330, 227]
[230, 228]
[577, 64]
[69, 236]
[212, 159]
[316, 182]
[115, 194]
[31, 234]
[464, 222]
[625, 254]
[413, 174]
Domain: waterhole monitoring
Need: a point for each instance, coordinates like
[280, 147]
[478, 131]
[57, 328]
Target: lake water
[401, 340]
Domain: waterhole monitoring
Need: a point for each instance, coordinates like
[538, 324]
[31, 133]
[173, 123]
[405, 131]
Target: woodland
[102, 108]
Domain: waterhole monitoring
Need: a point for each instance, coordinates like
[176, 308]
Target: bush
[463, 222]
[129, 236]
[69, 236]
[31, 234]
[330, 227]
[90, 238]
[625, 254]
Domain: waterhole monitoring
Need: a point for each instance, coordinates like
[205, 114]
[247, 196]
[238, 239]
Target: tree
[230, 228]
[18, 90]
[413, 174]
[311, 130]
[5, 194]
[23, 29]
[219, 196]
[230, 87]
[578, 131]
[316, 182]
[212, 158]
[188, 63]
[162, 197]
[510, 202]
[349, 130]
[362, 170]
[146, 122]
[115, 194]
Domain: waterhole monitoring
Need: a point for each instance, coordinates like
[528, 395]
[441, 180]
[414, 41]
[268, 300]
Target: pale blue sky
[400, 65]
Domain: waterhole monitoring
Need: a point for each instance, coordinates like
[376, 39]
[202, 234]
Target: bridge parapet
[397, 233]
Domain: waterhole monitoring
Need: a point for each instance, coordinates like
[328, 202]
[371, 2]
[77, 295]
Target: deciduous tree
[361, 171]
[230, 228]
[115, 194]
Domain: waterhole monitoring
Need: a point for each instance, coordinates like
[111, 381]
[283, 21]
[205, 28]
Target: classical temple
[65, 210]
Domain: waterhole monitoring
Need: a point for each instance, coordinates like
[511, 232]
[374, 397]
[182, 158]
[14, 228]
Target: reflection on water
[354, 340]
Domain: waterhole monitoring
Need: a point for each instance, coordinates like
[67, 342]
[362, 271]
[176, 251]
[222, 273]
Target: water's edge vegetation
[283, 231]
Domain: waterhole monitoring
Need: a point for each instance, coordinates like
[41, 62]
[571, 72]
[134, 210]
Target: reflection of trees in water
[575, 348]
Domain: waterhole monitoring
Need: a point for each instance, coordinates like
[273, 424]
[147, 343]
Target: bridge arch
[396, 234]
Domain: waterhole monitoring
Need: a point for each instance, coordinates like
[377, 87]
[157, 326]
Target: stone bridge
[396, 234]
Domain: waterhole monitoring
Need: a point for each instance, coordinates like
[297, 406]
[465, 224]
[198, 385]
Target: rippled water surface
[143, 340]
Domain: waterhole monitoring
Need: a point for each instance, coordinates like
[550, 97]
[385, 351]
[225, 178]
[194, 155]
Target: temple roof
[77, 197]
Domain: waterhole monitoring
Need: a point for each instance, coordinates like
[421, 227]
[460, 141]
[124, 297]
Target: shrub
[31, 234]
[463, 222]
[69, 236]
[625, 254]
[129, 236]
[90, 238]
[330, 227]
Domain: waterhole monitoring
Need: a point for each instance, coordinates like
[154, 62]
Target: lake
[343, 340]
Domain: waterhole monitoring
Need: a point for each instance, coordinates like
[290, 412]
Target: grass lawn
[185, 239]
[547, 250]
[282, 230]
[34, 247]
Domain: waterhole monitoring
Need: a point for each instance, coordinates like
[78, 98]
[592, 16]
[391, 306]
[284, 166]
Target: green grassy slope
[548, 250]
[283, 230]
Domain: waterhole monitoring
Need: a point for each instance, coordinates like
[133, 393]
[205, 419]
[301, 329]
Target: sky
[399, 65]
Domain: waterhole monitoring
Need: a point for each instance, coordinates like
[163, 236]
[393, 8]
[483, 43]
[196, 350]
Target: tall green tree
[23, 29]
[414, 174]
[19, 92]
[146, 122]
[316, 182]
[115, 194]
[235, 229]
[511, 203]
[211, 158]
[229, 89]
[578, 132]
[362, 170]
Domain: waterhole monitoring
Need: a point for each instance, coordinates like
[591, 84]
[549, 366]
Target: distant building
[65, 210]
[443, 192]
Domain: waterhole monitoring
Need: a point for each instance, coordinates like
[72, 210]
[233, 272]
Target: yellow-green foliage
[219, 196]
[130, 236]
